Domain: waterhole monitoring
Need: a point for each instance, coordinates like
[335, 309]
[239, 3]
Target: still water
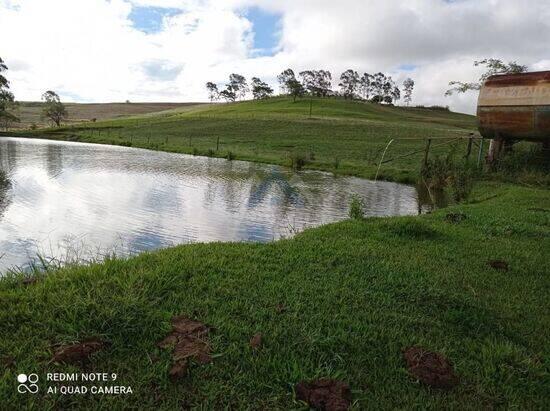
[75, 201]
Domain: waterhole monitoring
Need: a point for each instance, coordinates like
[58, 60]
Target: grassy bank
[341, 136]
[338, 301]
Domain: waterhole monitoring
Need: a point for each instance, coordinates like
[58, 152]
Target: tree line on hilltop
[377, 88]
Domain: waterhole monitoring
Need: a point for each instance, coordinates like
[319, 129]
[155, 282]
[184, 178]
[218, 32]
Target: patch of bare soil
[499, 265]
[325, 394]
[256, 341]
[430, 368]
[77, 353]
[188, 340]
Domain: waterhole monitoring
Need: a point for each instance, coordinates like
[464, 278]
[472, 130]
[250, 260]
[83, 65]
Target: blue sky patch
[161, 70]
[266, 27]
[149, 19]
[407, 67]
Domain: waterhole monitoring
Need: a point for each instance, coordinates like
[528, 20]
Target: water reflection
[88, 199]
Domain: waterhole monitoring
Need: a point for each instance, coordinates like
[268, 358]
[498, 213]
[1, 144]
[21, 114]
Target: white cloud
[89, 48]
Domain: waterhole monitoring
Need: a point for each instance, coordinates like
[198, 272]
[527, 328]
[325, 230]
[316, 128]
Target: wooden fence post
[427, 151]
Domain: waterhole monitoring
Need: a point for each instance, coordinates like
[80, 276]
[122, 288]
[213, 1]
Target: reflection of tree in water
[8, 155]
[259, 190]
[54, 163]
[5, 198]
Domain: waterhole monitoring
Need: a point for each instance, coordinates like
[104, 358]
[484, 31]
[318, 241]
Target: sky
[166, 50]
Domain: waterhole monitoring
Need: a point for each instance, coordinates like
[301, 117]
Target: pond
[76, 201]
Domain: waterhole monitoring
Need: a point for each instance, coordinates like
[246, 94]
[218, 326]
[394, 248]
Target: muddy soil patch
[325, 394]
[77, 353]
[187, 340]
[500, 265]
[430, 368]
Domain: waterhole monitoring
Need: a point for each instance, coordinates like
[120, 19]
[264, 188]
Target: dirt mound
[188, 340]
[325, 394]
[77, 353]
[499, 265]
[430, 368]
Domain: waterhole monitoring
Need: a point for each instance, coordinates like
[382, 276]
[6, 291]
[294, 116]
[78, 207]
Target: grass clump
[298, 161]
[356, 208]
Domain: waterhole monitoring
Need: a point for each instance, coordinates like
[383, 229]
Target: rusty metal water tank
[515, 107]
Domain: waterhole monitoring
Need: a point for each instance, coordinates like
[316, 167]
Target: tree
[260, 90]
[365, 85]
[493, 66]
[6, 99]
[284, 79]
[408, 86]
[323, 82]
[317, 82]
[296, 89]
[213, 93]
[289, 84]
[54, 109]
[349, 82]
[238, 85]
[395, 93]
[228, 95]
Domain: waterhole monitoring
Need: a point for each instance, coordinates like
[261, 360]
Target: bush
[210, 152]
[524, 165]
[298, 161]
[336, 163]
[356, 207]
[443, 174]
[230, 156]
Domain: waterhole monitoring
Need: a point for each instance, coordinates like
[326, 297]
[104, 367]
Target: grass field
[339, 301]
[355, 294]
[341, 136]
[31, 112]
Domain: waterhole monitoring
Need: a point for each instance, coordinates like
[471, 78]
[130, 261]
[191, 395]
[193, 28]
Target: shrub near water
[356, 207]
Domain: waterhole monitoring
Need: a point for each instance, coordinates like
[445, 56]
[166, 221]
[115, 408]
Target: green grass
[356, 293]
[348, 133]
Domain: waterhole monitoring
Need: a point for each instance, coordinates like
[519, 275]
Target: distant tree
[365, 85]
[53, 109]
[377, 87]
[408, 86]
[395, 93]
[323, 80]
[290, 85]
[7, 102]
[228, 95]
[493, 66]
[284, 79]
[309, 81]
[260, 90]
[349, 83]
[213, 93]
[317, 82]
[296, 89]
[238, 85]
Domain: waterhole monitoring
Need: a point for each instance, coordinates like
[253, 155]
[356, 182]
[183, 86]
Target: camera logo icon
[27, 383]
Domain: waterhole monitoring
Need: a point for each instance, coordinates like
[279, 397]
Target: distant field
[342, 136]
[30, 112]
